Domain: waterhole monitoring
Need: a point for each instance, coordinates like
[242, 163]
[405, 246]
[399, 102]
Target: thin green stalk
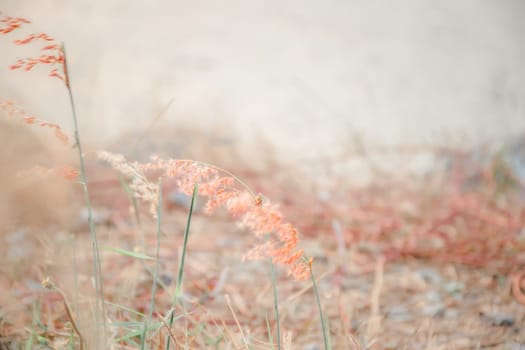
[155, 268]
[36, 320]
[97, 269]
[178, 289]
[134, 203]
[75, 274]
[276, 307]
[326, 336]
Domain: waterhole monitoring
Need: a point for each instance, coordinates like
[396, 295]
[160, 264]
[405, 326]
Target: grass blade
[129, 253]
[276, 307]
[326, 336]
[180, 275]
[155, 268]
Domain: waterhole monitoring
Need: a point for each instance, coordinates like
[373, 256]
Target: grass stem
[97, 269]
[326, 336]
[276, 307]
[180, 275]
[147, 320]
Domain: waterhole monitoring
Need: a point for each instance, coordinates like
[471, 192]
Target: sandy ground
[307, 75]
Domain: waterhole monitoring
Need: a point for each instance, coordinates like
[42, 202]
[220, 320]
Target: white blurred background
[307, 75]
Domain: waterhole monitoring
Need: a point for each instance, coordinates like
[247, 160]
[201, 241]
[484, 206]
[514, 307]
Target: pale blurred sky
[308, 75]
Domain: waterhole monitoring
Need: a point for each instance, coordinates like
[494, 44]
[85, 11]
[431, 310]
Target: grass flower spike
[221, 189]
[141, 186]
[52, 53]
[9, 24]
[12, 110]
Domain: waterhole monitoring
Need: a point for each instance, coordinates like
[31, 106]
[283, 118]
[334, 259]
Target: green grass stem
[276, 308]
[100, 318]
[155, 268]
[326, 336]
[180, 275]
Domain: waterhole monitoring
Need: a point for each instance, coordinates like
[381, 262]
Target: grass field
[174, 238]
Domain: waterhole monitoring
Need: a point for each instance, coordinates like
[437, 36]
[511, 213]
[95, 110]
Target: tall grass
[180, 274]
[277, 239]
[276, 307]
[53, 55]
[147, 320]
[324, 326]
[100, 312]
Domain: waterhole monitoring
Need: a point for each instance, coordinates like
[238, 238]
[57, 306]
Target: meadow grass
[137, 306]
[254, 212]
[100, 309]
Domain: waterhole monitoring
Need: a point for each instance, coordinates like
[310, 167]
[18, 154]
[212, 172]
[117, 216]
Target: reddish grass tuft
[258, 215]
[11, 23]
[13, 110]
[65, 172]
[53, 53]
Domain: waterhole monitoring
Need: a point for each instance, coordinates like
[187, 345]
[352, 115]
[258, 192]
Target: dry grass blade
[46, 283]
[374, 323]
[170, 332]
[245, 341]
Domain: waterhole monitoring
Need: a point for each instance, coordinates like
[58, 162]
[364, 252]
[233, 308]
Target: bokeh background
[308, 76]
